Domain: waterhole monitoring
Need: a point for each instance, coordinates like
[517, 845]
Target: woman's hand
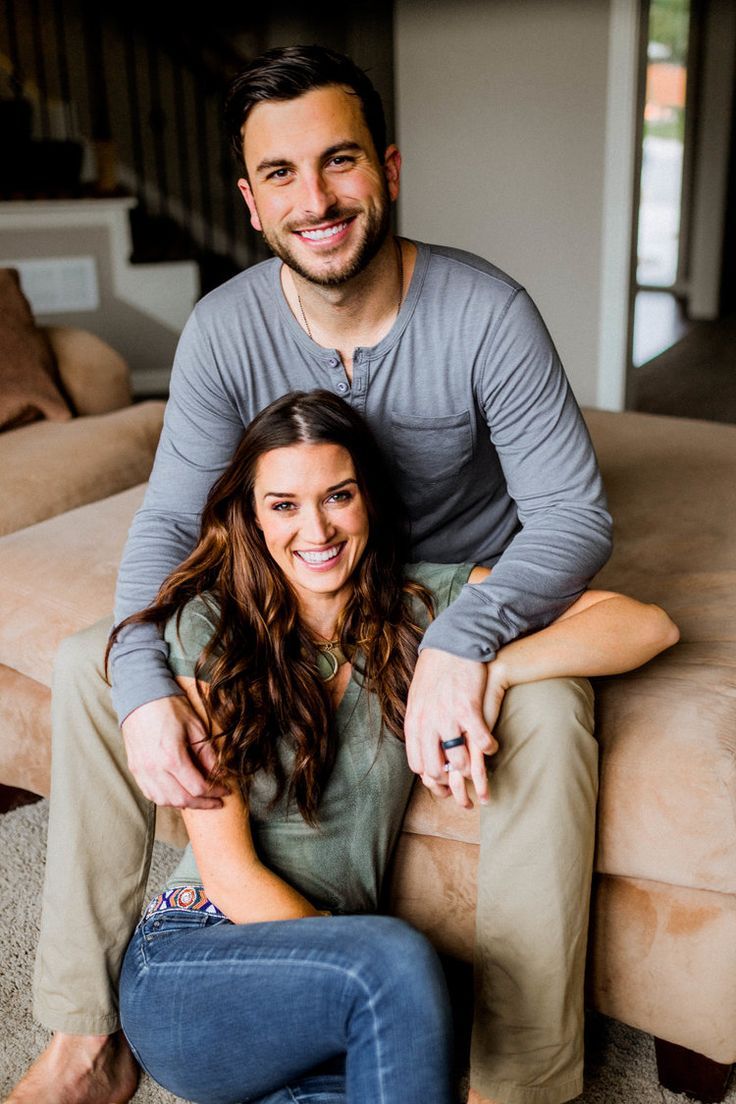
[496, 688]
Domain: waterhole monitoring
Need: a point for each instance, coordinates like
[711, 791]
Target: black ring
[456, 742]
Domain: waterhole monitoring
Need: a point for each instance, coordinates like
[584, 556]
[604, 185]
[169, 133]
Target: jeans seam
[379, 1056]
[138, 1058]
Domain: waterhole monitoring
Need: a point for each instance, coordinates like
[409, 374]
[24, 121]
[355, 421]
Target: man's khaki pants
[533, 884]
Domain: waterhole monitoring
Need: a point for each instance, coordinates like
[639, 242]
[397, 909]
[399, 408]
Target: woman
[293, 629]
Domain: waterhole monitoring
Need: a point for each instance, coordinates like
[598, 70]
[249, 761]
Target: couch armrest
[94, 377]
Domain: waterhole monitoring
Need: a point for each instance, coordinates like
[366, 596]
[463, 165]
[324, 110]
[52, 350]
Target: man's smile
[326, 231]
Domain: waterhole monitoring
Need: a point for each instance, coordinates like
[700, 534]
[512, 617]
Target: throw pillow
[28, 388]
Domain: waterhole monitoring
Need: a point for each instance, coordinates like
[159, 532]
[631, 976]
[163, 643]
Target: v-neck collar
[346, 706]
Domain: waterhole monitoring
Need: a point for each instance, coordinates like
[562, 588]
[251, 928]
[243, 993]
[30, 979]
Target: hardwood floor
[695, 378]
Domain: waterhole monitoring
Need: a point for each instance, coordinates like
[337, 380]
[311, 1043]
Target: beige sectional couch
[663, 946]
[56, 515]
[51, 467]
[94, 440]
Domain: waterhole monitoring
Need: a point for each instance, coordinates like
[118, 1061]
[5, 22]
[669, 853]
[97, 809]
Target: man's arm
[200, 434]
[564, 539]
[552, 476]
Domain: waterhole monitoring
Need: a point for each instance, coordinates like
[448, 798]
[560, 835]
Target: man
[449, 362]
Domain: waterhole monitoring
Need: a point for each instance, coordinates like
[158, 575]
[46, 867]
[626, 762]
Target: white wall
[504, 123]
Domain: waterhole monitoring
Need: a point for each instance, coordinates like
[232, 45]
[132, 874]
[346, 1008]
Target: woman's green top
[338, 865]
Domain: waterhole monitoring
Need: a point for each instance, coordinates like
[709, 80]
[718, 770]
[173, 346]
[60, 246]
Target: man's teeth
[320, 557]
[321, 235]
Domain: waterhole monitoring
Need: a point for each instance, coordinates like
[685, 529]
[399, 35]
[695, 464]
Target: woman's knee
[399, 962]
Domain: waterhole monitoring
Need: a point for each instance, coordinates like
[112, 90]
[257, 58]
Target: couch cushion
[25, 723]
[28, 390]
[58, 577]
[662, 959]
[50, 467]
[95, 378]
[671, 486]
[668, 785]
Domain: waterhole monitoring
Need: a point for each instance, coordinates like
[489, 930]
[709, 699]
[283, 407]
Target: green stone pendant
[330, 658]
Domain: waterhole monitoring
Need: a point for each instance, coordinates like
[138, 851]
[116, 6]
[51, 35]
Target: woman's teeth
[320, 557]
[321, 235]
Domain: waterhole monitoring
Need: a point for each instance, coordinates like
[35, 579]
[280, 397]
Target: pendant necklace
[330, 658]
[400, 264]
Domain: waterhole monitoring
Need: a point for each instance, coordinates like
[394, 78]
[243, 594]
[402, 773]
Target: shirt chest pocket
[431, 449]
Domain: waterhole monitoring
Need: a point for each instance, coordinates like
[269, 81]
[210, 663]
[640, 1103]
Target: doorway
[682, 345]
[660, 318]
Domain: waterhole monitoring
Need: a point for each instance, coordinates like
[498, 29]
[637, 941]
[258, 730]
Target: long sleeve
[552, 475]
[201, 430]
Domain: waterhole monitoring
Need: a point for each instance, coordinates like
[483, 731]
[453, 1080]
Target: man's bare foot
[475, 1098]
[80, 1069]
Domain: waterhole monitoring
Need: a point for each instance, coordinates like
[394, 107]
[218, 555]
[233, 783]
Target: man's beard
[377, 226]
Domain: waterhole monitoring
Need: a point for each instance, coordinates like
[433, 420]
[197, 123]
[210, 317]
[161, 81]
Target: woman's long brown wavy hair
[261, 664]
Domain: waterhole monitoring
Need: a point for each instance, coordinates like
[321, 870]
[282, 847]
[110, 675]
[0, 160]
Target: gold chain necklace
[400, 263]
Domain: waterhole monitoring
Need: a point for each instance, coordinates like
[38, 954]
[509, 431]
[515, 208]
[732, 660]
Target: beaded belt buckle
[182, 897]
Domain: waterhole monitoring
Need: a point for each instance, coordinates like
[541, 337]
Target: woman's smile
[321, 560]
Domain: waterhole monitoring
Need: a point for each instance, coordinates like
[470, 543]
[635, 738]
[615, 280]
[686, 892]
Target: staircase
[114, 156]
[118, 103]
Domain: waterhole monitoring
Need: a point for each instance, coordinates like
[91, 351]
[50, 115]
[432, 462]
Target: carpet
[620, 1066]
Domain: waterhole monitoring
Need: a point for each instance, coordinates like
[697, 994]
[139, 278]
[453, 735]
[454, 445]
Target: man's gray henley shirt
[468, 400]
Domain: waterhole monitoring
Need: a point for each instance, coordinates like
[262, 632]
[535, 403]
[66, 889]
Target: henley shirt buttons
[342, 388]
[333, 362]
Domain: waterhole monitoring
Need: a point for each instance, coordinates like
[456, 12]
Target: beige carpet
[620, 1067]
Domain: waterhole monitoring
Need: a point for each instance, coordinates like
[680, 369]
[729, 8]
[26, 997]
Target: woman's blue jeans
[223, 1013]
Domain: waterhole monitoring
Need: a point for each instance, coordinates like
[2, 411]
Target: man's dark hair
[288, 72]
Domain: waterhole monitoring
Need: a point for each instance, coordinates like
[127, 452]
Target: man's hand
[166, 755]
[446, 701]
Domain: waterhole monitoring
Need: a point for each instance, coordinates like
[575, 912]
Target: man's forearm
[138, 670]
[545, 568]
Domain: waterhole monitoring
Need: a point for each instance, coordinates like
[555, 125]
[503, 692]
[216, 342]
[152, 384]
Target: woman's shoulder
[445, 581]
[189, 631]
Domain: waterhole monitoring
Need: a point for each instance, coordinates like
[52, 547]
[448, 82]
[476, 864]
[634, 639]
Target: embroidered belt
[182, 897]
